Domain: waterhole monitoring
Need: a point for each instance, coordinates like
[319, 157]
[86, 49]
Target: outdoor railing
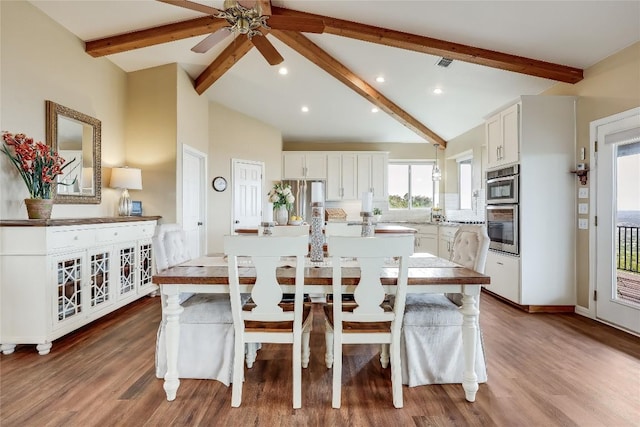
[628, 248]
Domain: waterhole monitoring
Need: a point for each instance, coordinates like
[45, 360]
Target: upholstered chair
[431, 346]
[206, 324]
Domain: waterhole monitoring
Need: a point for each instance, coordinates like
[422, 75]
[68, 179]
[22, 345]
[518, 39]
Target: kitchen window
[465, 182]
[410, 185]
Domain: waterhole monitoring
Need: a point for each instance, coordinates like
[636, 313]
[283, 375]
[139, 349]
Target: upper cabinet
[342, 176]
[372, 175]
[304, 165]
[502, 132]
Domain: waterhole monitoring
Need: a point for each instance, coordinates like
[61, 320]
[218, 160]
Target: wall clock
[219, 183]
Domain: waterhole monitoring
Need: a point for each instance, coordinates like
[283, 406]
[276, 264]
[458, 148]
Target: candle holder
[267, 228]
[317, 238]
[368, 228]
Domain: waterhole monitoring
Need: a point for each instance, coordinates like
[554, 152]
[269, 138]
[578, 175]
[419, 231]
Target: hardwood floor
[544, 370]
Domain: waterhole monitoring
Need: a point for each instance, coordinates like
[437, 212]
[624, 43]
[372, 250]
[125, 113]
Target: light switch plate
[583, 193]
[583, 208]
[583, 223]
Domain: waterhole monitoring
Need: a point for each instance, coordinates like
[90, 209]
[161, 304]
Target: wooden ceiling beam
[223, 63]
[154, 36]
[313, 53]
[431, 46]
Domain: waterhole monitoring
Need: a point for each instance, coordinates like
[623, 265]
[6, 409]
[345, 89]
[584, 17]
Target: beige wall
[233, 135]
[40, 60]
[151, 137]
[474, 141]
[609, 87]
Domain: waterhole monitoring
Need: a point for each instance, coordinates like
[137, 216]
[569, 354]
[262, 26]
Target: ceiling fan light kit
[244, 20]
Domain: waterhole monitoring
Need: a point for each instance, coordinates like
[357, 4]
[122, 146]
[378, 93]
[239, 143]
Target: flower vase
[281, 215]
[39, 208]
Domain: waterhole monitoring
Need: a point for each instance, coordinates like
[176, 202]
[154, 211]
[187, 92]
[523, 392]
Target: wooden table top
[379, 229]
[218, 275]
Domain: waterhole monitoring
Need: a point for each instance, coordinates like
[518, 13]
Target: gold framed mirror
[75, 136]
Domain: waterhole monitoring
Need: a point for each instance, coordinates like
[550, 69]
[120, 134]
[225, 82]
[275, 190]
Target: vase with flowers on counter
[38, 165]
[282, 198]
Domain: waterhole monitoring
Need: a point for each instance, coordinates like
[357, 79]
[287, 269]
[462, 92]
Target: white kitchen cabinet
[426, 239]
[546, 278]
[504, 271]
[503, 137]
[304, 165]
[446, 234]
[60, 276]
[372, 174]
[342, 176]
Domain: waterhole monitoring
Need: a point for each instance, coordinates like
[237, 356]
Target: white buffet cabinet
[58, 275]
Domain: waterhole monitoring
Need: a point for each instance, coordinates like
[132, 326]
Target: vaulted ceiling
[535, 45]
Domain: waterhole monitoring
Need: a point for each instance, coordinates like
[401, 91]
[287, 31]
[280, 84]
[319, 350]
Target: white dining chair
[432, 351]
[206, 323]
[368, 319]
[266, 318]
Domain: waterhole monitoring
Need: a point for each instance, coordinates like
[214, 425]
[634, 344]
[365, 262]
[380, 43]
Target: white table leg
[172, 328]
[470, 315]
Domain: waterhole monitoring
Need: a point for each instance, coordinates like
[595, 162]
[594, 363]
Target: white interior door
[247, 193]
[618, 213]
[194, 167]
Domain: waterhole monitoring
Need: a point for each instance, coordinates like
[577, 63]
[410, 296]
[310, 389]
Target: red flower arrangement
[37, 163]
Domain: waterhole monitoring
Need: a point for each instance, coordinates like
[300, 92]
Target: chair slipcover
[206, 324]
[431, 347]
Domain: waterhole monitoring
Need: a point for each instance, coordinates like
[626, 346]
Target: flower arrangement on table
[37, 163]
[281, 195]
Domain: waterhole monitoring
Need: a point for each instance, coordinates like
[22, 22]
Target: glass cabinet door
[127, 270]
[100, 279]
[68, 302]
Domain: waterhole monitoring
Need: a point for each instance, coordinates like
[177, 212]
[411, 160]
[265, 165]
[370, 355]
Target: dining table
[427, 273]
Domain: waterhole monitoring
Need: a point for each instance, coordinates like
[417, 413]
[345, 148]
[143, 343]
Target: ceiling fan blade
[198, 7]
[267, 50]
[211, 40]
[295, 23]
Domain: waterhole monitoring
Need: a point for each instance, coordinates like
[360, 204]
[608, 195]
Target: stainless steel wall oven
[502, 209]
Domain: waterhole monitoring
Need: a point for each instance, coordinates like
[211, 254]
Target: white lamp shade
[129, 178]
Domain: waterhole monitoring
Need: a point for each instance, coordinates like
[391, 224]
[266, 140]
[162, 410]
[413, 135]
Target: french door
[618, 216]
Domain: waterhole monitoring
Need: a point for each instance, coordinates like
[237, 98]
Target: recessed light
[437, 91]
[305, 109]
[374, 110]
[380, 79]
[283, 71]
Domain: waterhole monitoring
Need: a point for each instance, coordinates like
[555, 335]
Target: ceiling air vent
[444, 62]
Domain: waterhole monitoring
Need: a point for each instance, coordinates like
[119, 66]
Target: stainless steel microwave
[502, 185]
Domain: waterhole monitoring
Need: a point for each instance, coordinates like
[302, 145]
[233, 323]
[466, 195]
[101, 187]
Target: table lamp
[126, 179]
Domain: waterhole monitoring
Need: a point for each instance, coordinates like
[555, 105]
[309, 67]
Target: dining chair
[368, 319]
[206, 323]
[431, 346]
[266, 317]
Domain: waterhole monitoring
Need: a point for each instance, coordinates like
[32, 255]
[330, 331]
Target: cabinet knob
[199, 223]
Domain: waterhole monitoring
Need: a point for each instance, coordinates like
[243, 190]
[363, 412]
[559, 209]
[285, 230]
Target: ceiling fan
[252, 18]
